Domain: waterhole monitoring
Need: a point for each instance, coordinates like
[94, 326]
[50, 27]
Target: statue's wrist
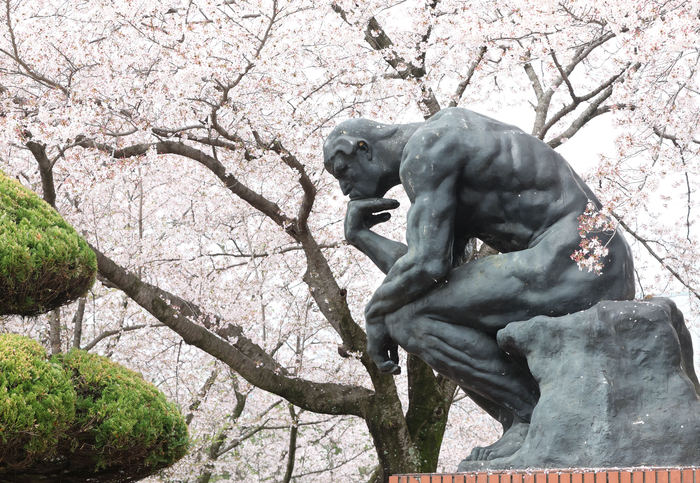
[353, 236]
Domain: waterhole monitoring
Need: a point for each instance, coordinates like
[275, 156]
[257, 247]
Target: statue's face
[359, 176]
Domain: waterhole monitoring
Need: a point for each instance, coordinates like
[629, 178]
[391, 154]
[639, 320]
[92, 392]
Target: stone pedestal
[617, 385]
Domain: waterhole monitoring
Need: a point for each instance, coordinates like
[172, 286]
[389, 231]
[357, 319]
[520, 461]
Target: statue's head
[349, 154]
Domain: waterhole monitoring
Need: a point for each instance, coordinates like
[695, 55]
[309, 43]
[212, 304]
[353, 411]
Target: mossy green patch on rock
[43, 262]
[79, 417]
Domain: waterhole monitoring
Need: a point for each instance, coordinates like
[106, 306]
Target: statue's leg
[497, 382]
[489, 293]
[496, 411]
[469, 357]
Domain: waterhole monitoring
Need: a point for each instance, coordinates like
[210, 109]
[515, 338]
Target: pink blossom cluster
[592, 253]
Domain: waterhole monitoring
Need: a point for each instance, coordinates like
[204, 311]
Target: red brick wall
[628, 475]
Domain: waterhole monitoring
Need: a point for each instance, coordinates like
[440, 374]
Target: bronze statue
[469, 176]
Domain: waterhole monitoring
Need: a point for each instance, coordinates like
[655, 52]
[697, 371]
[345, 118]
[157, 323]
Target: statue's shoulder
[454, 129]
[460, 118]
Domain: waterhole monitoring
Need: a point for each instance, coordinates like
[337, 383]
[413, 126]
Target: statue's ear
[363, 145]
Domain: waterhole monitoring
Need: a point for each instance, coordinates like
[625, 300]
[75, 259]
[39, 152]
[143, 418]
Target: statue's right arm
[360, 218]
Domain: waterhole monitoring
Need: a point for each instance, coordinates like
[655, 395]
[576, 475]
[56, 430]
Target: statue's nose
[340, 166]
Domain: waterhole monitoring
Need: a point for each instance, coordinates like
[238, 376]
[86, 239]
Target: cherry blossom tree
[183, 140]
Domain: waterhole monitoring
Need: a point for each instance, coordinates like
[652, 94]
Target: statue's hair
[348, 136]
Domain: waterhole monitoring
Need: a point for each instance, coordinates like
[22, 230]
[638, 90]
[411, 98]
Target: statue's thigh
[443, 345]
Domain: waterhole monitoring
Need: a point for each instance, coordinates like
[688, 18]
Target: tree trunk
[55, 331]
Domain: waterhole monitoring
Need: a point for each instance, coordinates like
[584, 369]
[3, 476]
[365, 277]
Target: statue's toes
[486, 454]
[479, 453]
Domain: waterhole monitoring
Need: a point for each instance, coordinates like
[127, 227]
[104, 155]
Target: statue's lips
[346, 188]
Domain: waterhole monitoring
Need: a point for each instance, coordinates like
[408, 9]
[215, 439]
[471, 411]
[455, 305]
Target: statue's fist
[382, 349]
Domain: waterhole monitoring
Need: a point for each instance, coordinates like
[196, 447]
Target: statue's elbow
[433, 270]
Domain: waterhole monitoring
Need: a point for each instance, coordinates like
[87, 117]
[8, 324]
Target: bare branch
[78, 322]
[577, 100]
[564, 76]
[110, 333]
[589, 113]
[534, 80]
[55, 331]
[291, 453]
[45, 170]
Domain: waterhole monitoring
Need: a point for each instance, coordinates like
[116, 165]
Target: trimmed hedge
[43, 262]
[79, 417]
[125, 419]
[37, 402]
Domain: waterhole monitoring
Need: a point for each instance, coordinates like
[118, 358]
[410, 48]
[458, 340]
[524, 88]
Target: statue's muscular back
[512, 187]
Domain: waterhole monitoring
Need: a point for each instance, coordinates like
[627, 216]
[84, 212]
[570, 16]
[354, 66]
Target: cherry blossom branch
[653, 253]
[334, 467]
[244, 356]
[256, 200]
[268, 254]
[14, 55]
[353, 336]
[226, 88]
[201, 394]
[377, 38]
[544, 98]
[467, 78]
[304, 180]
[662, 134]
[319, 277]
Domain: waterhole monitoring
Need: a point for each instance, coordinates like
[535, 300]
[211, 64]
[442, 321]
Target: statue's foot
[509, 443]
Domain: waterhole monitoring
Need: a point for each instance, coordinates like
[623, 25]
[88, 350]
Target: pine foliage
[43, 262]
[79, 417]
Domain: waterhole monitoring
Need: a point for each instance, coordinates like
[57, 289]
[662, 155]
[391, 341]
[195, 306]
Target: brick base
[627, 475]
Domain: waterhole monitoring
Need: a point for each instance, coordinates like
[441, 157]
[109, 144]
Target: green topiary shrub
[78, 418]
[123, 419]
[43, 262]
[37, 402]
